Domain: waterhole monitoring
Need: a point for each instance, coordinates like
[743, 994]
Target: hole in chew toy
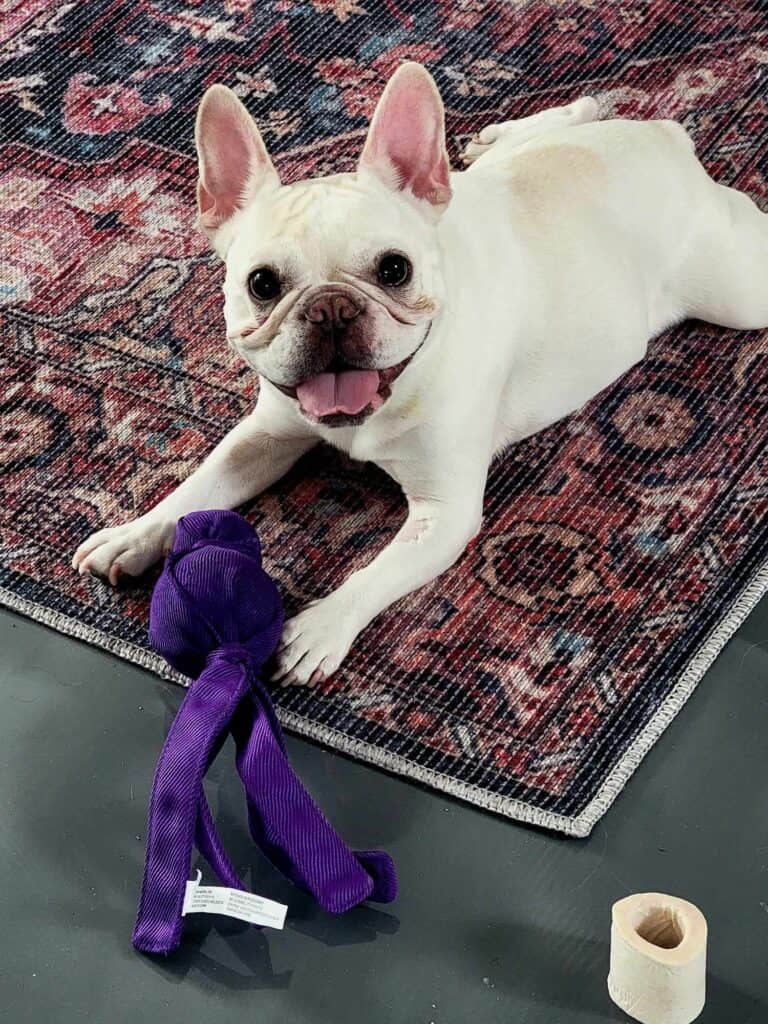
[661, 927]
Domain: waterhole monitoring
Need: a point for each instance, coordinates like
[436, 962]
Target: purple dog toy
[216, 615]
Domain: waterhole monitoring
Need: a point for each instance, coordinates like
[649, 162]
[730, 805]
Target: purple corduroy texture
[216, 615]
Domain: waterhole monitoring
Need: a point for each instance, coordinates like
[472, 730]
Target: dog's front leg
[251, 457]
[435, 533]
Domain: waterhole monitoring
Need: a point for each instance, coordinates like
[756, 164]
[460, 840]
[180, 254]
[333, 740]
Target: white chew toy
[658, 958]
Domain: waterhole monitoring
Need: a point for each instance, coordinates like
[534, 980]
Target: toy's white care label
[245, 906]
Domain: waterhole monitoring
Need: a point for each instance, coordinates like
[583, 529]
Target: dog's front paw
[315, 642]
[123, 550]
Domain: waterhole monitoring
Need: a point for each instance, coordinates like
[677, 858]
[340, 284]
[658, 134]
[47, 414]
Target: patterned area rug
[621, 548]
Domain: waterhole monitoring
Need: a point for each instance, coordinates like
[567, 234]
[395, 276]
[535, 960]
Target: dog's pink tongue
[349, 391]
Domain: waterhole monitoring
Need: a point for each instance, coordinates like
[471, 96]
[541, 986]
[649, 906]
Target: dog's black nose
[333, 309]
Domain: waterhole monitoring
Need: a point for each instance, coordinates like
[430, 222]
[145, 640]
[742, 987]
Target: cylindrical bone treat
[658, 958]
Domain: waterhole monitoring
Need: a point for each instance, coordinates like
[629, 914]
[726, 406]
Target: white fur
[566, 246]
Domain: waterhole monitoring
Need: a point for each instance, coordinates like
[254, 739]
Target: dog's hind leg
[515, 133]
[724, 277]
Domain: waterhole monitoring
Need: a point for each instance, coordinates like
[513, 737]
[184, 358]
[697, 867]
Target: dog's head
[332, 283]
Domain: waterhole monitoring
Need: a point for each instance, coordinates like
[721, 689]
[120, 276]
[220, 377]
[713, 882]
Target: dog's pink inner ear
[233, 160]
[406, 140]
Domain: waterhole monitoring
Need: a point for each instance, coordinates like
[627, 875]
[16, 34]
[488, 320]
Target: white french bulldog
[424, 320]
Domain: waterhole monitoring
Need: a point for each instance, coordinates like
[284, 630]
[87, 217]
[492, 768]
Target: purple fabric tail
[175, 807]
[282, 815]
[218, 616]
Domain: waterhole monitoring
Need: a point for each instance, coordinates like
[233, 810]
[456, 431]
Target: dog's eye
[263, 284]
[393, 270]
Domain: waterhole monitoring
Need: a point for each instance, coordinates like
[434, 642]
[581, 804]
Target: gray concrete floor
[495, 921]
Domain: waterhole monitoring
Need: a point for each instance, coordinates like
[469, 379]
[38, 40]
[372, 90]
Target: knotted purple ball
[214, 593]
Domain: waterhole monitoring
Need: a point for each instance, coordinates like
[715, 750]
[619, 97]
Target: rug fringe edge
[746, 601]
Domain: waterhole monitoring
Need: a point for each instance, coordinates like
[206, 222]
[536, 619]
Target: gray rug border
[578, 827]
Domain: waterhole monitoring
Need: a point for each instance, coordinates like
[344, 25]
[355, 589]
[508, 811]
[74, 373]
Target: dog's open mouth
[346, 391]
[345, 396]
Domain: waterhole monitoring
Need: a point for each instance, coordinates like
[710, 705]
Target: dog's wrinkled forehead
[333, 220]
[314, 204]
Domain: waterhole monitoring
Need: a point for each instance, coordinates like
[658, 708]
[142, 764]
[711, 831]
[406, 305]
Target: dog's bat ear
[233, 160]
[405, 147]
